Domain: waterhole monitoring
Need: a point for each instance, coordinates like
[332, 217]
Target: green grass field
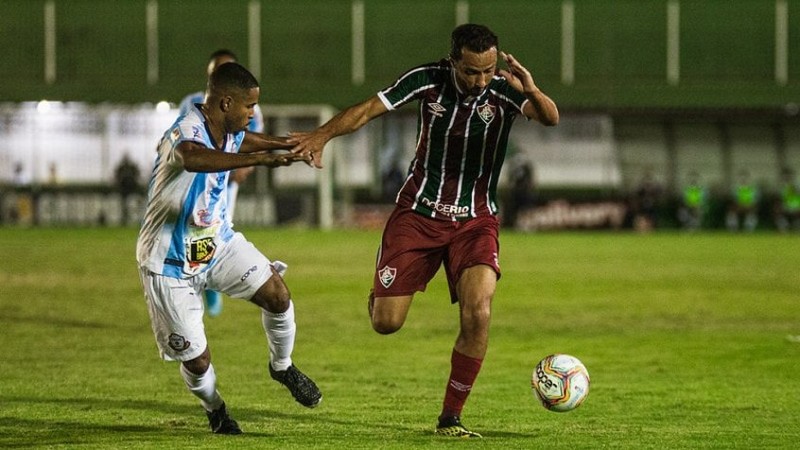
[684, 337]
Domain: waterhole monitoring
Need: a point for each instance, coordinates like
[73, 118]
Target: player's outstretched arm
[197, 158]
[351, 119]
[540, 107]
[259, 142]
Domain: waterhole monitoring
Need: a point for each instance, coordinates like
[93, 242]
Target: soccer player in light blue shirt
[213, 298]
[187, 242]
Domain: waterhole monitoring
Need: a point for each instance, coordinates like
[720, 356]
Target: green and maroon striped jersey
[461, 141]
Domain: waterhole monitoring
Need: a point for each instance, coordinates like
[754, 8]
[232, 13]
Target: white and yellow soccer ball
[560, 382]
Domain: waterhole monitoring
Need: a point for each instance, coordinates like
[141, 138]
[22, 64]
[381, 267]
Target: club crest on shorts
[486, 112]
[386, 275]
[178, 342]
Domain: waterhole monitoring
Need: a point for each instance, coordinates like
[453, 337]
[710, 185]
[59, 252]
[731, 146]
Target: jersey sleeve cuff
[386, 101]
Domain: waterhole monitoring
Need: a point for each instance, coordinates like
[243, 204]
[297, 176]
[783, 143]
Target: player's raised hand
[517, 75]
[540, 108]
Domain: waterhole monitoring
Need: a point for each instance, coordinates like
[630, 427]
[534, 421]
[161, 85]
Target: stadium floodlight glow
[43, 106]
[163, 107]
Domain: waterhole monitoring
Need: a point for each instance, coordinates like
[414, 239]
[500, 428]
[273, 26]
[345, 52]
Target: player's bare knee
[273, 296]
[478, 314]
[277, 303]
[384, 325]
[199, 365]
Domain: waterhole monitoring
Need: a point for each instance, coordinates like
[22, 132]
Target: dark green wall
[727, 49]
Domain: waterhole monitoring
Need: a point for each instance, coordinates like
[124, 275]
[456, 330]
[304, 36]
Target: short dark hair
[223, 52]
[476, 38]
[229, 76]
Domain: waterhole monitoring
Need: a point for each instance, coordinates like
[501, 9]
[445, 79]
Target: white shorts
[176, 305]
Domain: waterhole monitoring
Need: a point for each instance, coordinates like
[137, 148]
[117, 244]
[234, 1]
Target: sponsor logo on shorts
[178, 342]
[386, 275]
[249, 271]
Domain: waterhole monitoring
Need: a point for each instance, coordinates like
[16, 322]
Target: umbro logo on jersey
[436, 109]
[486, 112]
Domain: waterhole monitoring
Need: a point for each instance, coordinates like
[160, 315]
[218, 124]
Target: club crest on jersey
[486, 112]
[386, 275]
[178, 342]
[436, 109]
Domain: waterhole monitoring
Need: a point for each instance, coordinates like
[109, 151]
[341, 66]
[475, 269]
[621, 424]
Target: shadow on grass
[17, 319]
[170, 421]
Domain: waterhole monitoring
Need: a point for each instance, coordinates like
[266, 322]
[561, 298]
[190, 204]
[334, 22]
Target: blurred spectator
[693, 203]
[743, 207]
[21, 199]
[391, 182]
[21, 178]
[52, 174]
[126, 177]
[523, 183]
[391, 168]
[787, 207]
[645, 201]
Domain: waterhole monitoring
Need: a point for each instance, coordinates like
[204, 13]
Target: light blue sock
[213, 303]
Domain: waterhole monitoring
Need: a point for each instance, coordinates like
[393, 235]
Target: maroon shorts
[414, 246]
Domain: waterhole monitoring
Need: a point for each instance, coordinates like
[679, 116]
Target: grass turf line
[683, 335]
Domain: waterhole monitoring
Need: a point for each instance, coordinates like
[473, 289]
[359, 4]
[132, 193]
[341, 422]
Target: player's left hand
[285, 159]
[517, 75]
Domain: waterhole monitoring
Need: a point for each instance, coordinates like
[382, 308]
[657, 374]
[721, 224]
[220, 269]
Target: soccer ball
[560, 382]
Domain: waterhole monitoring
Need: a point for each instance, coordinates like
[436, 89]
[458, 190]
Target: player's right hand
[308, 144]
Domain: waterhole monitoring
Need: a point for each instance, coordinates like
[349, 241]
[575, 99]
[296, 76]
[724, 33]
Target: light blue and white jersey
[256, 124]
[186, 221]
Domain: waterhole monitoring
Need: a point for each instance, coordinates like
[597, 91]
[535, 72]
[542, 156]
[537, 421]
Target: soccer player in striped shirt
[187, 242]
[238, 176]
[446, 211]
